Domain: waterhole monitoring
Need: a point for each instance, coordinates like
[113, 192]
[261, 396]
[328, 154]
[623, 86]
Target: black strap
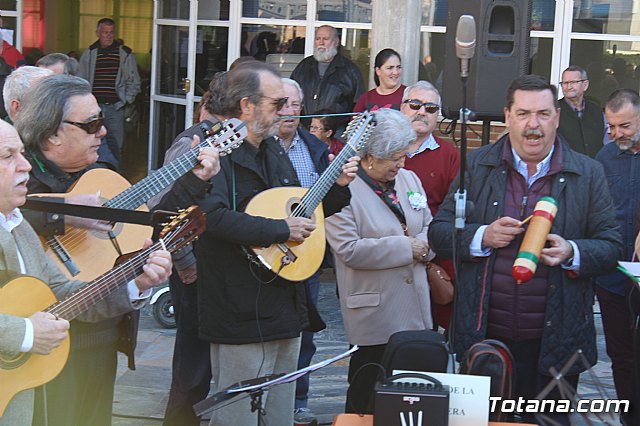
[100, 213]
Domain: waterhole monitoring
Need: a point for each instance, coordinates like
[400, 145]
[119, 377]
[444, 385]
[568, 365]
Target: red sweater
[372, 100]
[12, 56]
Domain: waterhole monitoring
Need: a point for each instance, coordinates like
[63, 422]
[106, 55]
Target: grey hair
[295, 84]
[392, 134]
[70, 64]
[244, 82]
[18, 83]
[424, 85]
[46, 106]
[582, 71]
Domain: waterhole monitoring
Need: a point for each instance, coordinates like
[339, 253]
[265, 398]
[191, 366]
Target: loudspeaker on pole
[502, 54]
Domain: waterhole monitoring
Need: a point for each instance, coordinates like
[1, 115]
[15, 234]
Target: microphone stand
[460, 198]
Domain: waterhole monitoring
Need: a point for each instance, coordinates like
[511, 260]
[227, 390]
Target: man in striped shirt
[111, 68]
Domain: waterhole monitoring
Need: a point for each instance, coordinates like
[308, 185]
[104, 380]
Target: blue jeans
[307, 347]
[114, 122]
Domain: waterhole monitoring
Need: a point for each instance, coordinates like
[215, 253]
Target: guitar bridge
[62, 253]
[289, 256]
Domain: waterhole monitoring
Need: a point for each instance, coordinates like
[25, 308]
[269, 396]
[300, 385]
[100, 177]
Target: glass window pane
[10, 23]
[344, 10]
[211, 55]
[606, 17]
[172, 60]
[8, 5]
[609, 64]
[431, 65]
[275, 9]
[213, 9]
[543, 14]
[434, 12]
[540, 62]
[173, 9]
[260, 41]
[169, 121]
[356, 45]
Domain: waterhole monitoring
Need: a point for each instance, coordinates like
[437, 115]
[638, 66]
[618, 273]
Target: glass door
[172, 74]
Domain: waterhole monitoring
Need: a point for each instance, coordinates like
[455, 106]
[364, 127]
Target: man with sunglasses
[436, 162]
[251, 318]
[61, 126]
[582, 121]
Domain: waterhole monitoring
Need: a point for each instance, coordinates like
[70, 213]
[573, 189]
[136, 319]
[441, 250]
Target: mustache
[22, 177]
[423, 119]
[533, 132]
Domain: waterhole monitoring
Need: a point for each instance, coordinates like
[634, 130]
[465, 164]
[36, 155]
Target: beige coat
[382, 289]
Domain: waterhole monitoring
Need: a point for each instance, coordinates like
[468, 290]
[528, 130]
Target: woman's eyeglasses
[91, 126]
[316, 129]
[416, 104]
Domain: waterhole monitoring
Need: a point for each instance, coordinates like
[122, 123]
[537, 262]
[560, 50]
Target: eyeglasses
[278, 102]
[416, 104]
[571, 83]
[317, 129]
[91, 126]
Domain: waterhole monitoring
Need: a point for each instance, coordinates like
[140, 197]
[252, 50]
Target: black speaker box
[501, 55]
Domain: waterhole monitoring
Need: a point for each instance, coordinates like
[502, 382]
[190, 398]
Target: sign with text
[468, 400]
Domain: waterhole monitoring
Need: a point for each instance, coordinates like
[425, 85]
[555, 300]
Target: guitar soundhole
[293, 204]
[7, 363]
[117, 229]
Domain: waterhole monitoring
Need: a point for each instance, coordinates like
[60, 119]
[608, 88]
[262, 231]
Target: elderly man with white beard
[328, 79]
[622, 168]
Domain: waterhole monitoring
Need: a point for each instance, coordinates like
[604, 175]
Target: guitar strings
[88, 292]
[129, 198]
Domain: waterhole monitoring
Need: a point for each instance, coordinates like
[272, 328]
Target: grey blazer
[12, 329]
[382, 289]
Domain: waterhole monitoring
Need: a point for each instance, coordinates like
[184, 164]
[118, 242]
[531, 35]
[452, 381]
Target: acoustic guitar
[84, 254]
[298, 261]
[24, 296]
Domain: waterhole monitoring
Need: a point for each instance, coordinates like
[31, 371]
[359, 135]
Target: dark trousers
[362, 381]
[82, 394]
[617, 322]
[529, 381]
[191, 367]
[307, 347]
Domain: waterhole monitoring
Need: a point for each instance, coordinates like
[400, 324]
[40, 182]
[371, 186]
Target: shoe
[304, 417]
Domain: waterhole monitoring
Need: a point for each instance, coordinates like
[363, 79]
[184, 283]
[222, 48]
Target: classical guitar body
[91, 252]
[278, 203]
[23, 297]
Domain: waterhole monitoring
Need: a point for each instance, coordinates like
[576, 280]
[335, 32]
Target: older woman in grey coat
[380, 247]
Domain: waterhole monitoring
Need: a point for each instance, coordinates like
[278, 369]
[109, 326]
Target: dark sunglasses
[416, 104]
[92, 126]
[278, 102]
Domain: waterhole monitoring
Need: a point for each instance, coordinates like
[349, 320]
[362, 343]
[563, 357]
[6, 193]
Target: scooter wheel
[163, 311]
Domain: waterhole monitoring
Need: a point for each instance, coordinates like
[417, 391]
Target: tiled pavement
[141, 395]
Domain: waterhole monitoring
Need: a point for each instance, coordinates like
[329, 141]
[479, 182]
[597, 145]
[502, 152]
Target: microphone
[465, 42]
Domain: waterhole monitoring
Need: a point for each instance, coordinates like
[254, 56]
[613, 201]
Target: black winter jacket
[338, 90]
[585, 216]
[228, 289]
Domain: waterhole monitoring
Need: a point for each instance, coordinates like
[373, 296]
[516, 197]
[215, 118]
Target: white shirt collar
[12, 220]
[429, 143]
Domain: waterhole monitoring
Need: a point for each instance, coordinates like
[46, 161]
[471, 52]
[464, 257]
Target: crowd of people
[389, 213]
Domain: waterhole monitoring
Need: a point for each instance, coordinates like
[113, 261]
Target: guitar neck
[139, 193]
[82, 299]
[319, 190]
[223, 136]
